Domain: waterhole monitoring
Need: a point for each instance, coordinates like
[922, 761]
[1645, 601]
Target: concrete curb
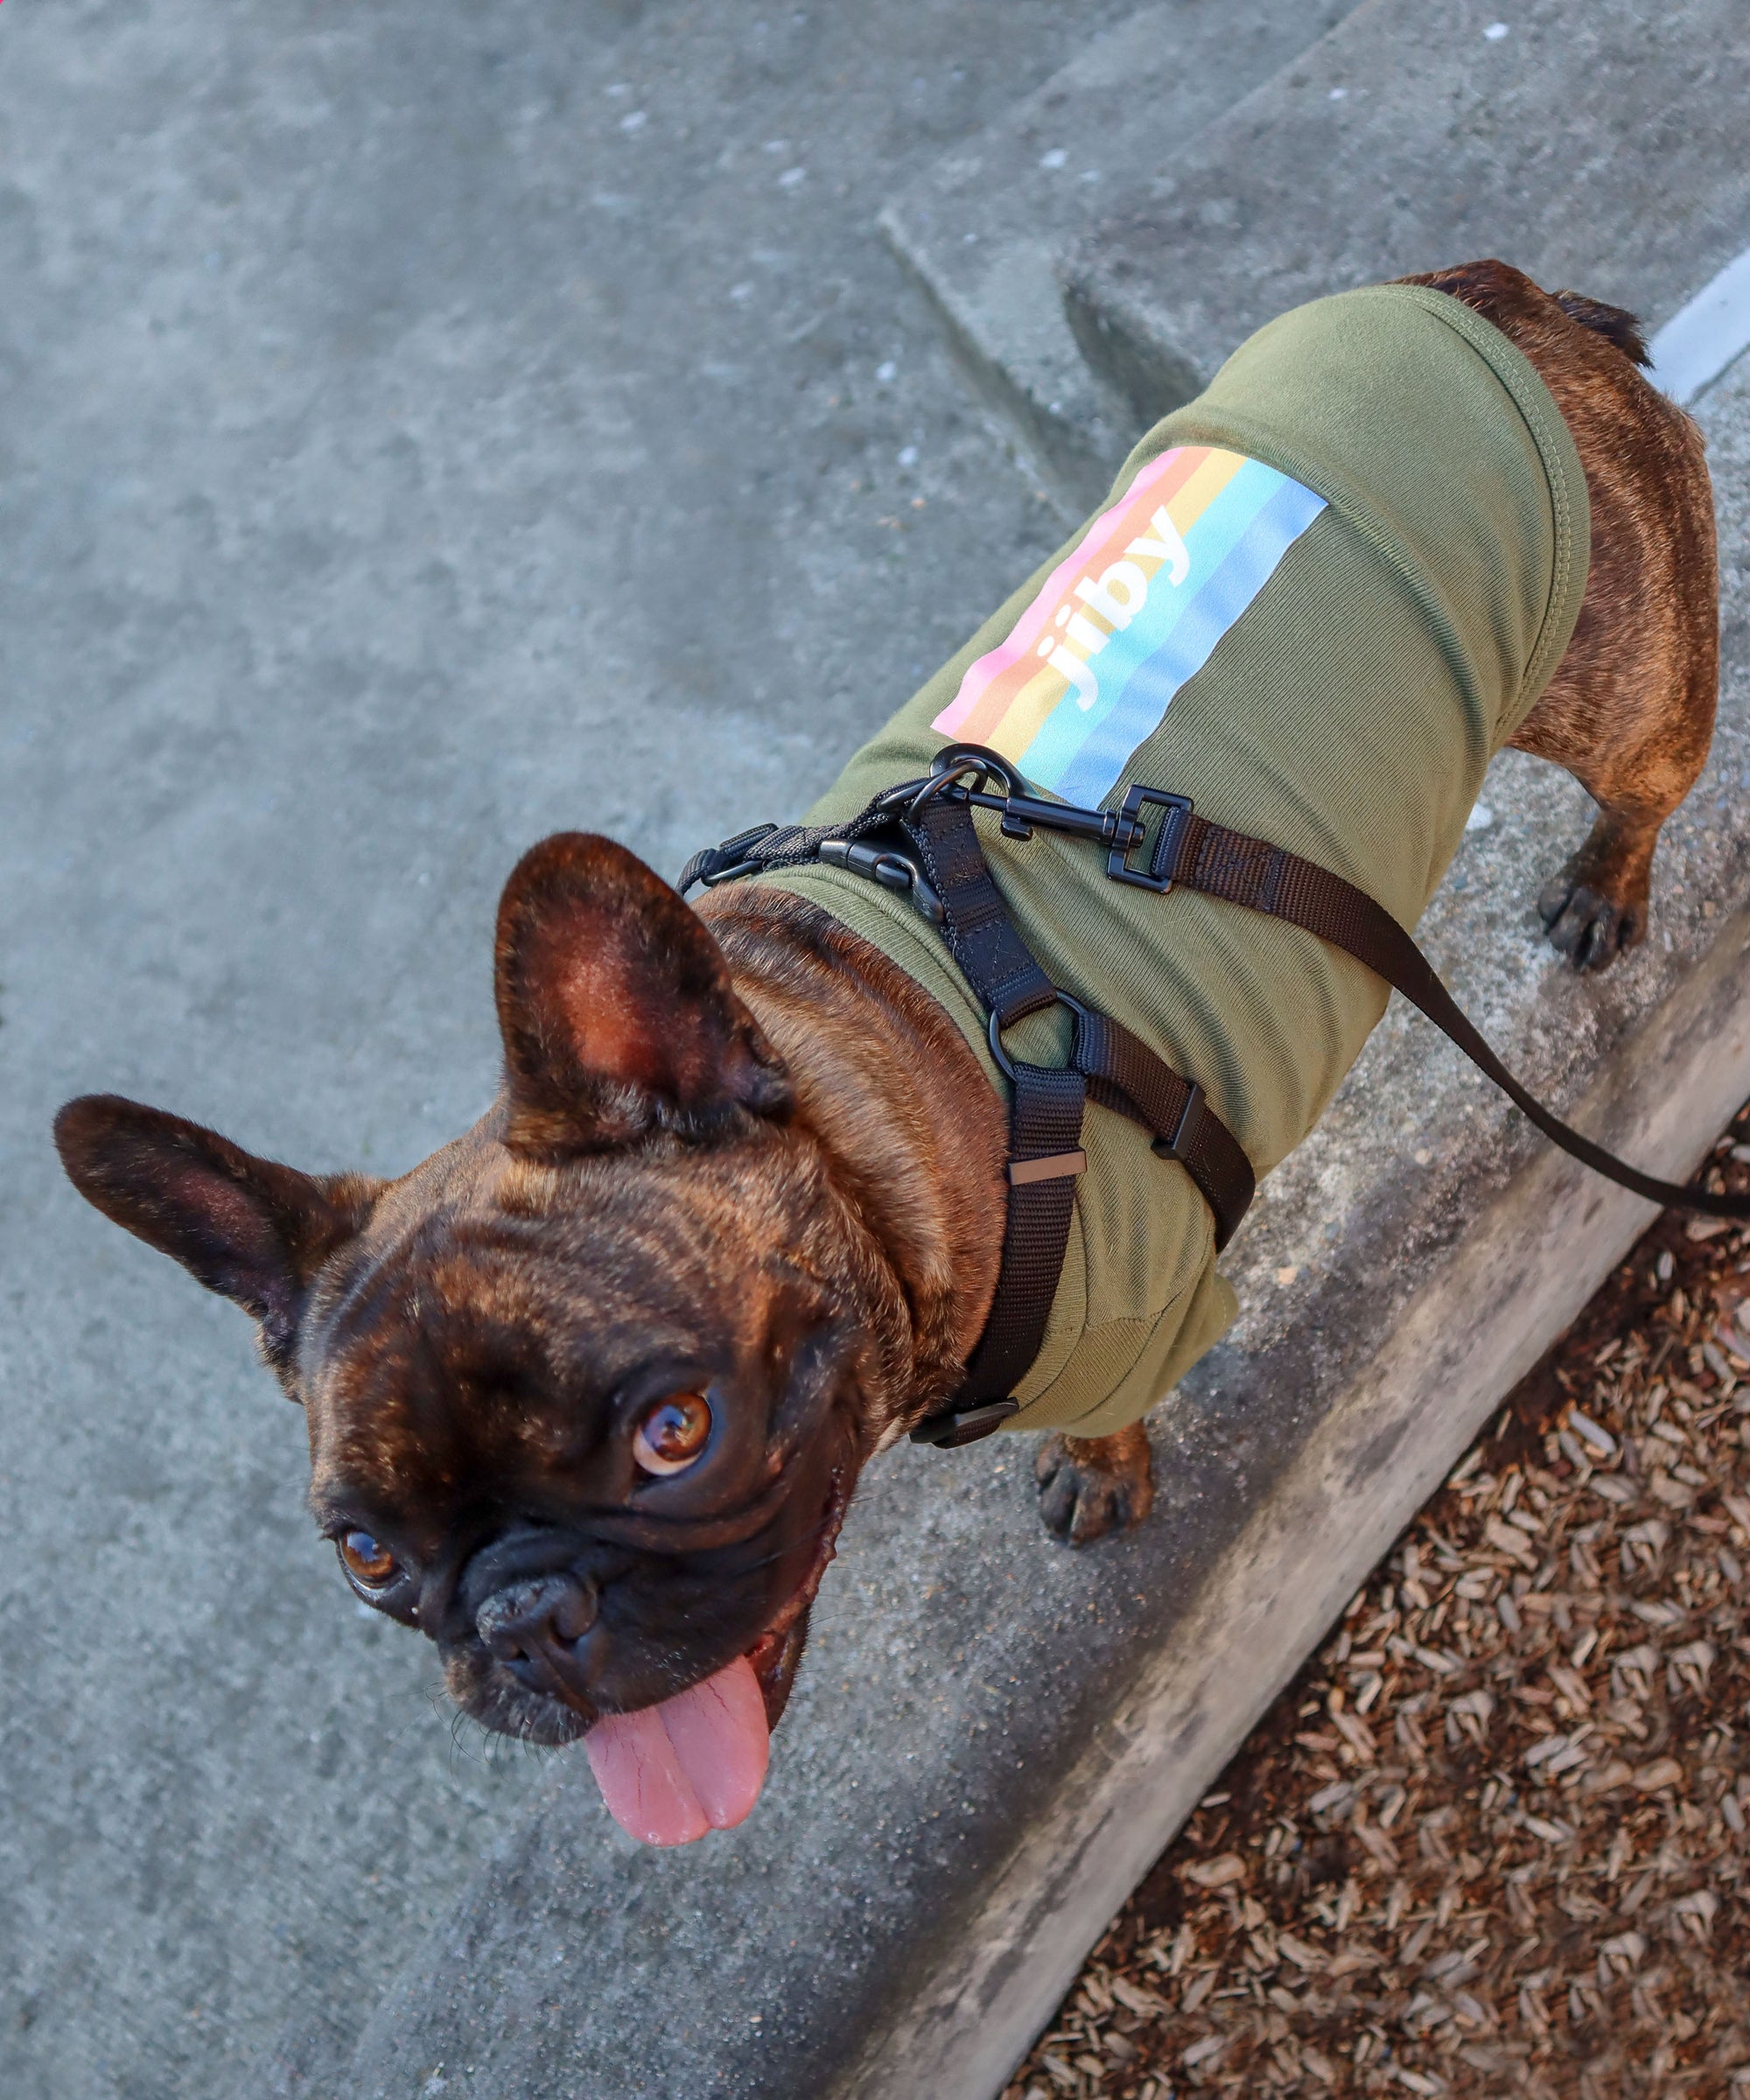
[986, 231]
[1599, 148]
[1708, 333]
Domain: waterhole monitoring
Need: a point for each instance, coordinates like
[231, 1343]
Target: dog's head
[588, 1389]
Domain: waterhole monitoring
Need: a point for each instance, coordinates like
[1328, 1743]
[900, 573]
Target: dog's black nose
[533, 1627]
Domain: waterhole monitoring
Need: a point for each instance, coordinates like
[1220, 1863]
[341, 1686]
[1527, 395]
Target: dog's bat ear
[249, 1228]
[616, 1007]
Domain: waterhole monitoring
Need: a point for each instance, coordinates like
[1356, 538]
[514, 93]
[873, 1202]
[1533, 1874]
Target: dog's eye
[673, 1434]
[365, 1560]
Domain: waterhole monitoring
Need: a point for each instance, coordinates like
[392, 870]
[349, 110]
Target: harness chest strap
[1045, 1117]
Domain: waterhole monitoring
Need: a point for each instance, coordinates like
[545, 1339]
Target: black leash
[947, 880]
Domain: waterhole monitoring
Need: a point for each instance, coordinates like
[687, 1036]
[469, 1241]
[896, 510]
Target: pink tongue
[695, 1763]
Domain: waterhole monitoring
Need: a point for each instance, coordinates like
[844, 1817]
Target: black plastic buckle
[955, 1426]
[711, 876]
[892, 870]
[1163, 860]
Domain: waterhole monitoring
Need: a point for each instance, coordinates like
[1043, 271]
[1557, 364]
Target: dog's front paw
[1089, 1485]
[1588, 928]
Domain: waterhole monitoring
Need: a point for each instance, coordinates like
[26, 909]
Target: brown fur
[1089, 1485]
[1629, 711]
[739, 1154]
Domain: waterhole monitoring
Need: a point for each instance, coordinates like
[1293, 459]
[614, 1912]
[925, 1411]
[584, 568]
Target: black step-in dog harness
[919, 839]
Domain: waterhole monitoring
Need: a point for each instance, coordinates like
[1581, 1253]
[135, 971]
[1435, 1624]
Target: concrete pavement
[420, 428]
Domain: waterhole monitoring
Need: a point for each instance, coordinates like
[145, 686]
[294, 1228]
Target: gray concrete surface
[1602, 146]
[987, 228]
[420, 430]
[420, 427]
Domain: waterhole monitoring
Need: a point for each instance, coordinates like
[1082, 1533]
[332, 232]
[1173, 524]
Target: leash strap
[1249, 872]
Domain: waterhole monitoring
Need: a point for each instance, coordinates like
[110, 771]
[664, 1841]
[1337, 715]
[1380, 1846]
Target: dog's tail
[1620, 328]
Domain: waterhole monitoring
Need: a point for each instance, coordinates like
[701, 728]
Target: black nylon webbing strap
[1123, 1074]
[980, 936]
[1045, 1122]
[768, 847]
[1267, 879]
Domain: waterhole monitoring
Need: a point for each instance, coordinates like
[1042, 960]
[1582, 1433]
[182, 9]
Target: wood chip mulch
[1492, 1840]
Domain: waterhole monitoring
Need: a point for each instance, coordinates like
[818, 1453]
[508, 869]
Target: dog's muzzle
[533, 1628]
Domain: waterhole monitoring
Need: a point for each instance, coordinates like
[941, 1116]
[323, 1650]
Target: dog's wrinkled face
[588, 1389]
[590, 1425]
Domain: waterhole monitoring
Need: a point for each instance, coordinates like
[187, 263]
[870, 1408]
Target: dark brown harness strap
[1045, 1131]
[1249, 872]
[1123, 1074]
[1045, 1118]
[980, 936]
[1044, 1125]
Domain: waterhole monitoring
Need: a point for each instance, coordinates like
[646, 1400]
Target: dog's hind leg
[1629, 710]
[1089, 1485]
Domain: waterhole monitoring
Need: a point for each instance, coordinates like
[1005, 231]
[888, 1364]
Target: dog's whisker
[814, 1531]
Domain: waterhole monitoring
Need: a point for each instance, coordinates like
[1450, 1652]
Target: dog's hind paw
[1089, 1486]
[1589, 928]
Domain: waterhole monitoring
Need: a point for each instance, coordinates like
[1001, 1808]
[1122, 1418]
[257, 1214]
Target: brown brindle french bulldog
[589, 1391]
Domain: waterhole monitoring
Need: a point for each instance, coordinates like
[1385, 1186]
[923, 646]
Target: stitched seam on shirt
[1350, 500]
[1488, 341]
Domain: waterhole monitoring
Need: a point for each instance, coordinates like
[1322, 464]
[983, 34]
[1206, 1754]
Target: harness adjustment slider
[1056, 1167]
[1185, 1134]
[955, 1426]
[1163, 860]
[724, 863]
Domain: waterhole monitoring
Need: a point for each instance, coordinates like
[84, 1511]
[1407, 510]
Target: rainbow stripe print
[1093, 662]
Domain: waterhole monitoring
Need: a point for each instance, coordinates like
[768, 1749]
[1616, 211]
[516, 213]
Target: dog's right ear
[616, 1007]
[248, 1228]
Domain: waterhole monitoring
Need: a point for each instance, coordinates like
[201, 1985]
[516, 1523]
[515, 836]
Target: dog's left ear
[249, 1228]
[616, 1007]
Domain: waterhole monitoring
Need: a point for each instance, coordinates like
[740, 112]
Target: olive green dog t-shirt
[1319, 599]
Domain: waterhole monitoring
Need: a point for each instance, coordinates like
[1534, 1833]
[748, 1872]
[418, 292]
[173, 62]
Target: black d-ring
[954, 761]
[1005, 1064]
